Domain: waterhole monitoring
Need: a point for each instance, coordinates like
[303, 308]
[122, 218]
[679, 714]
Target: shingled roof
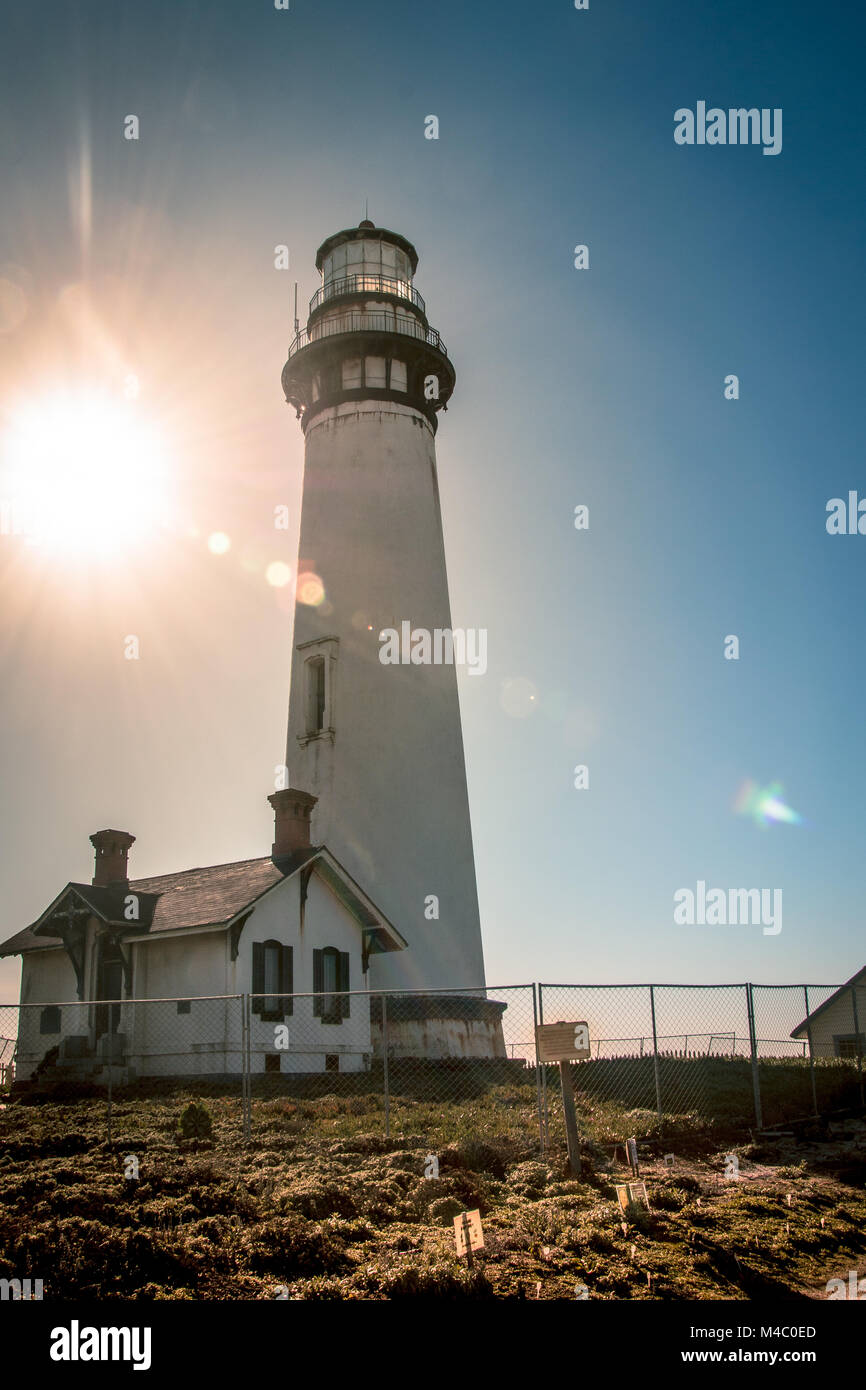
[210, 896]
[214, 895]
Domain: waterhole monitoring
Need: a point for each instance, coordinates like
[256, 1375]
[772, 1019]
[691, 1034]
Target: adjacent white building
[278, 928]
[837, 1028]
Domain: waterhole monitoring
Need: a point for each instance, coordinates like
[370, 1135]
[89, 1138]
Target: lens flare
[765, 805]
[518, 697]
[311, 590]
[218, 543]
[278, 574]
[85, 470]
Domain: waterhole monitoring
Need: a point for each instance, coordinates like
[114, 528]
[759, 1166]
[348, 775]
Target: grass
[321, 1205]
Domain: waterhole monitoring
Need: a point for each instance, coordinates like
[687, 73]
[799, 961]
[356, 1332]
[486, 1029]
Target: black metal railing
[367, 284]
[366, 322]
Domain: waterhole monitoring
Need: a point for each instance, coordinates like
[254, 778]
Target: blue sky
[602, 387]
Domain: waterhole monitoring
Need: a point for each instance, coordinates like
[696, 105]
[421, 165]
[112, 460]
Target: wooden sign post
[565, 1043]
[568, 1110]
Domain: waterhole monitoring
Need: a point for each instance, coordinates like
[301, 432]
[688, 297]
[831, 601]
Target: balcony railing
[366, 322]
[367, 284]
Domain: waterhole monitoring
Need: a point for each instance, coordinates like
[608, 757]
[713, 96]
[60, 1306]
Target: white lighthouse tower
[379, 745]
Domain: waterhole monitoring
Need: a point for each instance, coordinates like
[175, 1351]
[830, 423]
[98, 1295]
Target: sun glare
[83, 473]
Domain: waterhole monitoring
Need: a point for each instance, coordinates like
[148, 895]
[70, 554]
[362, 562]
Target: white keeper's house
[292, 923]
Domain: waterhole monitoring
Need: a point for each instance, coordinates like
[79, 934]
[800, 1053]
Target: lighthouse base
[434, 1026]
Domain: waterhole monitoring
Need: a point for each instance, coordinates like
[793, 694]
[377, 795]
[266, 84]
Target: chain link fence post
[753, 1047]
[385, 1077]
[538, 1095]
[545, 1138]
[859, 1041]
[246, 1068]
[655, 1053]
[811, 1052]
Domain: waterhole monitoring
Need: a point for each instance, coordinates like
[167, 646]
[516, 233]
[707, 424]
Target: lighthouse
[379, 743]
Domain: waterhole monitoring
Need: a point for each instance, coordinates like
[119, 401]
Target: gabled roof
[106, 902]
[213, 896]
[858, 979]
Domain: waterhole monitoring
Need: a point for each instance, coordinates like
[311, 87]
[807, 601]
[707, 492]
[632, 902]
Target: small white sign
[562, 1042]
[468, 1225]
[632, 1195]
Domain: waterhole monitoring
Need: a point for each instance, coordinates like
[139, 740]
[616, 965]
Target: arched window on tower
[315, 695]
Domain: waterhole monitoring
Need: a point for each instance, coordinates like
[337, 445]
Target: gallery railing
[367, 284]
[362, 322]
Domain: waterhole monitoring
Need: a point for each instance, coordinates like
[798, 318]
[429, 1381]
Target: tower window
[351, 373]
[316, 677]
[374, 371]
[315, 695]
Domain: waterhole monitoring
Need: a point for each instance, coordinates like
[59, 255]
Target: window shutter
[258, 975]
[344, 983]
[287, 982]
[318, 983]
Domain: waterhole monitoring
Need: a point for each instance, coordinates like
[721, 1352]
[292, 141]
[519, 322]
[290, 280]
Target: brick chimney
[292, 809]
[112, 848]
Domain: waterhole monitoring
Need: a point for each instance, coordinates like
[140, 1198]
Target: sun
[83, 472]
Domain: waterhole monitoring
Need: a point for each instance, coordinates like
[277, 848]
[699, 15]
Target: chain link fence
[435, 1066]
[428, 1065]
[415, 1063]
[756, 1055]
[114, 1053]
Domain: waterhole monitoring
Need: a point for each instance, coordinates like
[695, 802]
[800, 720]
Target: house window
[847, 1046]
[332, 1061]
[315, 695]
[272, 1061]
[49, 1019]
[330, 980]
[272, 981]
[184, 1006]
